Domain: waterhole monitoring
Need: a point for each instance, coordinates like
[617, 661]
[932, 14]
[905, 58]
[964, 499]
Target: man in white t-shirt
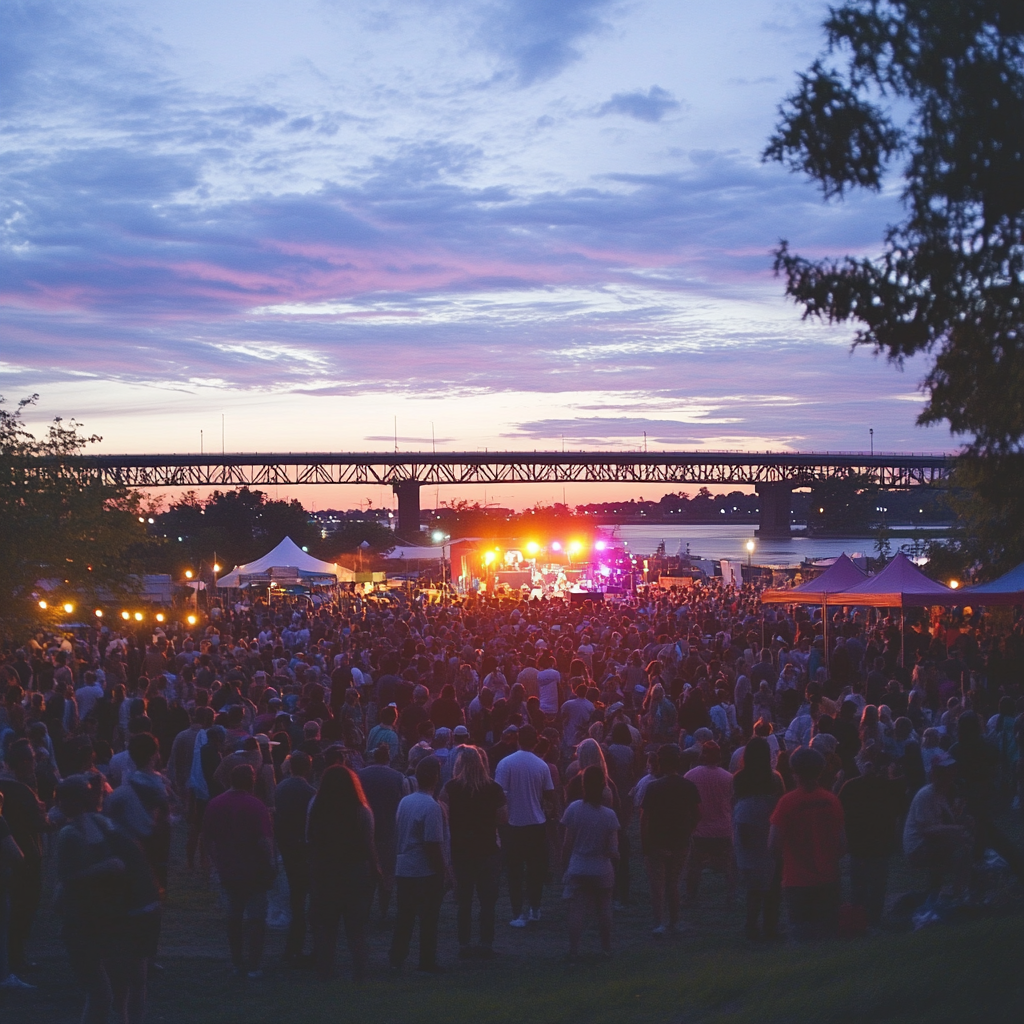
[420, 867]
[549, 680]
[576, 715]
[934, 838]
[526, 780]
[87, 695]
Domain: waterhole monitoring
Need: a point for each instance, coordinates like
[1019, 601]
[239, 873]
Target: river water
[731, 542]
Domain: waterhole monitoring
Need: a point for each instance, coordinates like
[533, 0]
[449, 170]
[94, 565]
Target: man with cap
[508, 744]
[712, 837]
[807, 830]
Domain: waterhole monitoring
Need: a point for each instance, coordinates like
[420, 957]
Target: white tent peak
[289, 555]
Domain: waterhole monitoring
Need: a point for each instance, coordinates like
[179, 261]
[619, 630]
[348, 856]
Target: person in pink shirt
[712, 838]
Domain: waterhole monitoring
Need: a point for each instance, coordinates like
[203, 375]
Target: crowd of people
[368, 751]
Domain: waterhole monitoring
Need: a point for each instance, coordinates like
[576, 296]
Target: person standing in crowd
[936, 838]
[669, 812]
[109, 903]
[872, 806]
[342, 869]
[589, 855]
[712, 838]
[11, 857]
[526, 780]
[291, 803]
[807, 833]
[476, 809]
[26, 816]
[420, 869]
[384, 788]
[238, 833]
[756, 791]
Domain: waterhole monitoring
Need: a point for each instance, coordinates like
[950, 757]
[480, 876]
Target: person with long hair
[476, 808]
[342, 868]
[756, 790]
[589, 854]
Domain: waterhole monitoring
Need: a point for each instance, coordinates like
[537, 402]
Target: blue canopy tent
[1008, 589]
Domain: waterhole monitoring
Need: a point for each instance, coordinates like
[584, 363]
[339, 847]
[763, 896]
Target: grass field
[949, 973]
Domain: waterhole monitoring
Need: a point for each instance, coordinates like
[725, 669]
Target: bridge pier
[408, 492]
[775, 510]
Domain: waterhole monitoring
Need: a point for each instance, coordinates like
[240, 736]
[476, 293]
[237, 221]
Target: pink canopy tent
[899, 585]
[841, 575]
[1008, 589]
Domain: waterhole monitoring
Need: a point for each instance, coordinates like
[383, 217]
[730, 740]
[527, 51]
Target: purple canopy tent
[899, 585]
[841, 575]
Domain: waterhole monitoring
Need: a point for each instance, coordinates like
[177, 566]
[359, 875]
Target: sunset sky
[514, 224]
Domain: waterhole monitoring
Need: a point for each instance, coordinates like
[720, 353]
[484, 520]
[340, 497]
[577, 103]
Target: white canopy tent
[287, 563]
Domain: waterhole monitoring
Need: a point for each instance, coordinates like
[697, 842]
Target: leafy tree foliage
[951, 278]
[842, 507]
[933, 91]
[232, 527]
[350, 534]
[81, 536]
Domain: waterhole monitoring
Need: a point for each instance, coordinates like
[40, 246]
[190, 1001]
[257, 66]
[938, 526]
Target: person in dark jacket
[291, 803]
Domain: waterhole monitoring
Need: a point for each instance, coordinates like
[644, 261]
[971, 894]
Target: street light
[750, 552]
[99, 613]
[440, 537]
[188, 574]
[69, 608]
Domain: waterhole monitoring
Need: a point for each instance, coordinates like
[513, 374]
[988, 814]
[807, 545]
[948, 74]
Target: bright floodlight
[99, 613]
[43, 605]
[138, 616]
[188, 574]
[191, 620]
[438, 536]
[159, 616]
[488, 557]
[532, 548]
[600, 545]
[750, 546]
[125, 615]
[953, 584]
[69, 607]
[556, 546]
[216, 567]
[575, 547]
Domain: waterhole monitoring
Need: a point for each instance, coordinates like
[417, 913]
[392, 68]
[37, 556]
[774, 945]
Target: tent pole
[903, 639]
[824, 633]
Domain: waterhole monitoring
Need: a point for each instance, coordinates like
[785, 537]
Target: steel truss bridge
[773, 474]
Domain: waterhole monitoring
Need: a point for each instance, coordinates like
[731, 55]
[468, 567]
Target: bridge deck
[454, 468]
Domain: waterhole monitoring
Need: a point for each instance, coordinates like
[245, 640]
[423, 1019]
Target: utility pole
[871, 431]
